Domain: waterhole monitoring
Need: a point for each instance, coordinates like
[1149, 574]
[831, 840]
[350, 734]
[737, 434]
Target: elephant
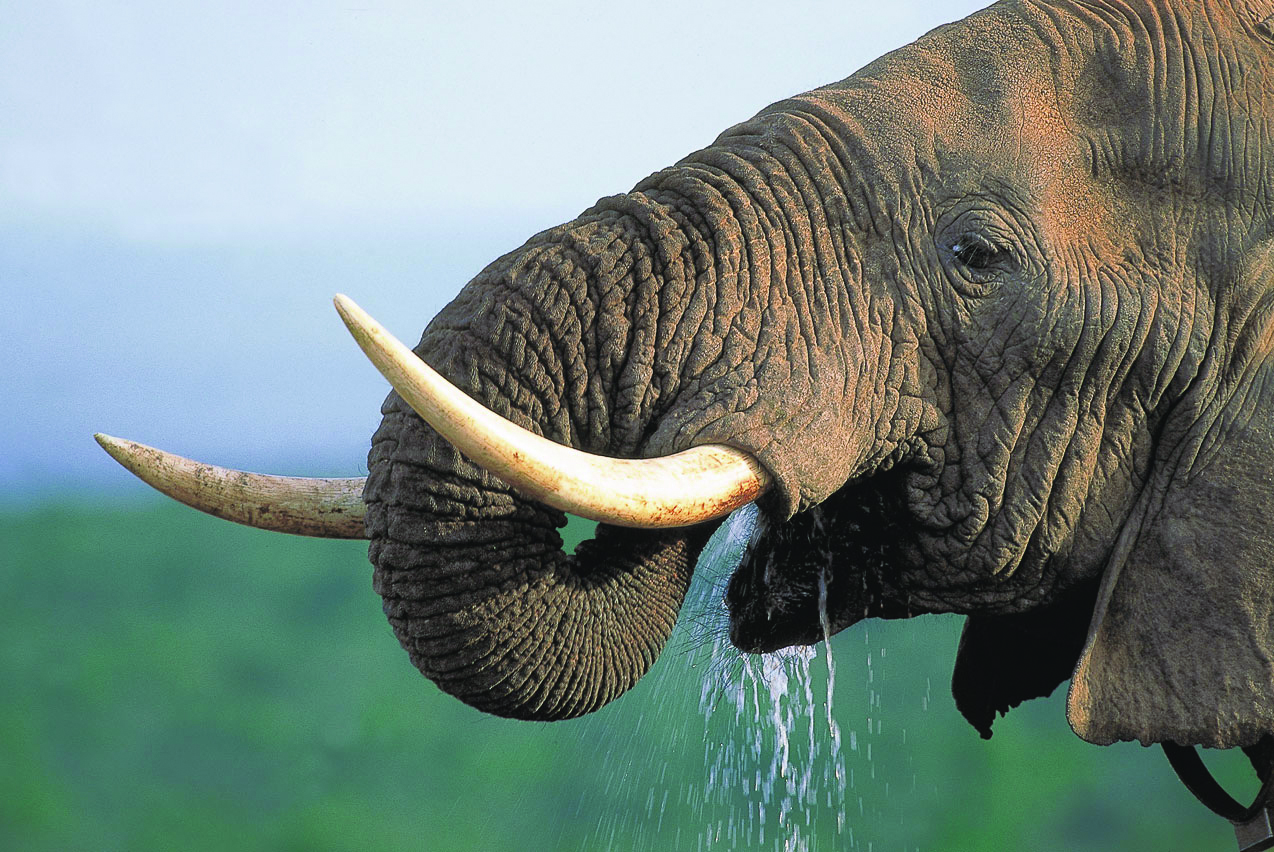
[985, 328]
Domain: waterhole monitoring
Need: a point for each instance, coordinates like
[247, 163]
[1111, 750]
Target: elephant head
[992, 320]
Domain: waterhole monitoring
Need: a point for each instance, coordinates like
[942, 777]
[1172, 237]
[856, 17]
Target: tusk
[689, 487]
[326, 508]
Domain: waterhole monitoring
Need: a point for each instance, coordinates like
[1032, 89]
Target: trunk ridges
[487, 605]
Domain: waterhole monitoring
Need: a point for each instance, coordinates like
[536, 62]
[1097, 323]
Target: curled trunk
[485, 602]
[558, 338]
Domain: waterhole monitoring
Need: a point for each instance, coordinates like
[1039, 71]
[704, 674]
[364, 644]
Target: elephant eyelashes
[977, 250]
[980, 257]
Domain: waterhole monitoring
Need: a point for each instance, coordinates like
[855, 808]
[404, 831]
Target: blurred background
[182, 189]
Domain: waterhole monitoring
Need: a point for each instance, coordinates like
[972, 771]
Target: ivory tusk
[689, 487]
[325, 508]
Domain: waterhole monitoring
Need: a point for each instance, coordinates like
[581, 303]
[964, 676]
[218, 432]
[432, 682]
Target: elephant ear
[1004, 660]
[1181, 646]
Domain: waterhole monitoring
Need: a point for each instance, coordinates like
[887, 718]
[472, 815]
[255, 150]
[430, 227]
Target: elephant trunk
[480, 594]
[560, 339]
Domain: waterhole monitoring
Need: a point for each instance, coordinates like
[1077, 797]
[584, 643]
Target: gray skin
[997, 314]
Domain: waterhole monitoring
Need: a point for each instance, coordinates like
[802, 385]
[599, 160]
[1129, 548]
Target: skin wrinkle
[837, 162]
[776, 323]
[557, 668]
[632, 359]
[535, 675]
[815, 269]
[627, 343]
[519, 388]
[1027, 497]
[597, 255]
[1211, 74]
[622, 662]
[847, 315]
[590, 414]
[852, 156]
[731, 354]
[705, 347]
[780, 307]
[826, 209]
[589, 671]
[738, 268]
[1065, 423]
[682, 271]
[1196, 94]
[535, 405]
[699, 297]
[493, 664]
[498, 664]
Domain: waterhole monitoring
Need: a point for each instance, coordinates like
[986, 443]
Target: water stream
[766, 764]
[767, 740]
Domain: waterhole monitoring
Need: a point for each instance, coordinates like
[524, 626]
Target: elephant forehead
[988, 91]
[1002, 104]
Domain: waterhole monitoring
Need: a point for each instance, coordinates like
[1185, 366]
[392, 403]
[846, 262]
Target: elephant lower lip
[770, 636]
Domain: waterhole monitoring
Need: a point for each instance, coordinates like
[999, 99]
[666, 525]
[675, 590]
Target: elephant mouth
[827, 568]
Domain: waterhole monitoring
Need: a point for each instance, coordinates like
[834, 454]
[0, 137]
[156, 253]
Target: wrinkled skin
[996, 314]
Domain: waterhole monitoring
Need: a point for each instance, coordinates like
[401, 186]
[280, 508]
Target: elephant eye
[980, 247]
[977, 253]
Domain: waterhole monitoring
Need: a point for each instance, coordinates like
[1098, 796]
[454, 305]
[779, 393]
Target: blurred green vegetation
[173, 681]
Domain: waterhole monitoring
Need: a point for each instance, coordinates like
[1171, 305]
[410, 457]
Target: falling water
[766, 765]
[756, 709]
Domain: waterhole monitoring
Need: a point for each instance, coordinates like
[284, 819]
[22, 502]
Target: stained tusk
[326, 508]
[689, 487]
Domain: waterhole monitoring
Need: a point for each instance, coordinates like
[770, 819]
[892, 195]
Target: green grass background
[171, 681]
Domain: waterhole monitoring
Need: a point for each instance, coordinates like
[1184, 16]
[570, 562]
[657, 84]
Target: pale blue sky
[183, 187]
